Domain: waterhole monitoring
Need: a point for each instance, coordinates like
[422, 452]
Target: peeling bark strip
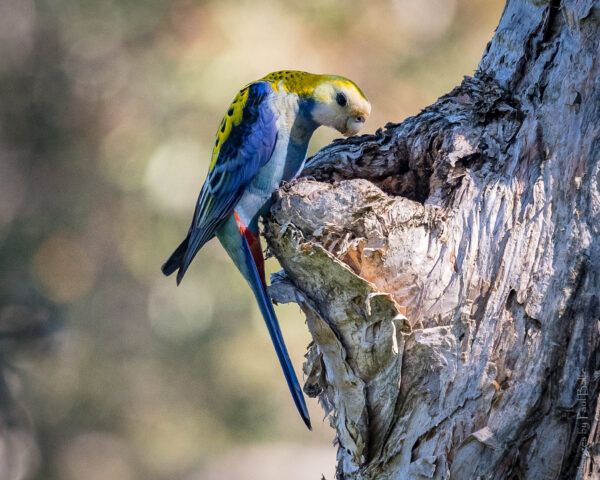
[449, 268]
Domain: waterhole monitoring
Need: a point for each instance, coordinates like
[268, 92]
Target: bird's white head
[340, 104]
[333, 101]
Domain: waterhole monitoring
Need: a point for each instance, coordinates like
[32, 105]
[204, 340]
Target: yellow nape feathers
[304, 83]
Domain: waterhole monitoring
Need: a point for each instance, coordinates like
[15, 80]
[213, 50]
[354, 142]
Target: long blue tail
[268, 313]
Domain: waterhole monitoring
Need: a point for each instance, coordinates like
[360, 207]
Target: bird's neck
[304, 125]
[301, 127]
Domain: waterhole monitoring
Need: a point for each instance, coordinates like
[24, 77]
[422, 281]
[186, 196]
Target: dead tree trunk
[449, 268]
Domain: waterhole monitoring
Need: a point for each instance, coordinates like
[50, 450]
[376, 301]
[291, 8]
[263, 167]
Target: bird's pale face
[340, 104]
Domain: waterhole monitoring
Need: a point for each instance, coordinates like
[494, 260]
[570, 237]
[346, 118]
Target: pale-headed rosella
[261, 142]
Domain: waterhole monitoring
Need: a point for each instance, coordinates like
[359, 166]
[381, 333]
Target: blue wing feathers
[268, 313]
[248, 147]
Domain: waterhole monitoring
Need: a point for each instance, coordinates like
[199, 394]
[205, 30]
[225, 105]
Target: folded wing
[245, 142]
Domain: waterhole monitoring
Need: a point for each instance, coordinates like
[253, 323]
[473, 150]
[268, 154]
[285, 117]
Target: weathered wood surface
[449, 268]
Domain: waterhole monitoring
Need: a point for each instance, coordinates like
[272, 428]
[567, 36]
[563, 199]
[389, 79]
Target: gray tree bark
[449, 268]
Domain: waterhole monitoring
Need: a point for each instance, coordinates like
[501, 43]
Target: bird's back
[244, 143]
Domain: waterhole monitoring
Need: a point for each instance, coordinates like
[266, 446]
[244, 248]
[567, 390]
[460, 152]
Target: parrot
[261, 143]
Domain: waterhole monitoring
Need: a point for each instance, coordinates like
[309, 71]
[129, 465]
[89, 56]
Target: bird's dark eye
[340, 98]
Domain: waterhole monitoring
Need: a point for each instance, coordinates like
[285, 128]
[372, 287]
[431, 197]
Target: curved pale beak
[354, 124]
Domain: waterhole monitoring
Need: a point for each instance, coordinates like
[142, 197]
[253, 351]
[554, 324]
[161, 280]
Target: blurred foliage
[107, 116]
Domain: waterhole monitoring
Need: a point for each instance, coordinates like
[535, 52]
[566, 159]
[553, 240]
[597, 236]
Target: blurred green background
[108, 111]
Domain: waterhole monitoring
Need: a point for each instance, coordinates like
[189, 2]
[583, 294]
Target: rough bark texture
[449, 268]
